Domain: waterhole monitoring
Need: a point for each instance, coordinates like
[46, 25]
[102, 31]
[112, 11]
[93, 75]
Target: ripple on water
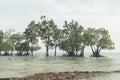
[13, 66]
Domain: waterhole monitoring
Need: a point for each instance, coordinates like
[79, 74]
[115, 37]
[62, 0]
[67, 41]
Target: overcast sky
[89, 13]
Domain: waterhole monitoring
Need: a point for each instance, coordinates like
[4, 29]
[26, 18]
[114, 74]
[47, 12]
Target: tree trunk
[6, 53]
[27, 53]
[47, 49]
[55, 50]
[92, 49]
[96, 54]
[20, 53]
[82, 53]
[71, 53]
[11, 52]
[32, 53]
[0, 53]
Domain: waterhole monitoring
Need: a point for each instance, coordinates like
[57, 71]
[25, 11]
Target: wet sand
[62, 75]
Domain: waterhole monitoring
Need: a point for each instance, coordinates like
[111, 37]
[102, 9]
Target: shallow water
[13, 66]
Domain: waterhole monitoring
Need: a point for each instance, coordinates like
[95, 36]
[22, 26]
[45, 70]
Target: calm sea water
[14, 66]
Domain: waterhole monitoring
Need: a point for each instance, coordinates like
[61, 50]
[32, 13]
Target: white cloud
[49, 1]
[78, 7]
[12, 2]
[89, 13]
[91, 9]
[25, 2]
[64, 9]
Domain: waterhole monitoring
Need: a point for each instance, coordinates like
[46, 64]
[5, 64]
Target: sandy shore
[62, 75]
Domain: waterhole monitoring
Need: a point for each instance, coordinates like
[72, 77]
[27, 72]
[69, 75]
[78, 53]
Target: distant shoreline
[63, 75]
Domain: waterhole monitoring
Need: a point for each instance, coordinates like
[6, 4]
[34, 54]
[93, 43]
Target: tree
[31, 35]
[86, 39]
[31, 32]
[16, 40]
[23, 48]
[57, 36]
[46, 31]
[8, 44]
[1, 40]
[72, 42]
[18, 48]
[99, 39]
[17, 37]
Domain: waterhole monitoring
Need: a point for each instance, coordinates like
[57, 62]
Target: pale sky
[90, 13]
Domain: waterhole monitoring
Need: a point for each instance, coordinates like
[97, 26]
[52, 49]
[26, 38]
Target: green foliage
[73, 38]
[46, 31]
[1, 39]
[7, 43]
[72, 42]
[98, 39]
[57, 37]
[31, 34]
[23, 47]
[103, 39]
[6, 46]
[1, 35]
[16, 38]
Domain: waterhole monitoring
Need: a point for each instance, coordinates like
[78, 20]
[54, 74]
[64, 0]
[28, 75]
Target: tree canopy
[72, 38]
